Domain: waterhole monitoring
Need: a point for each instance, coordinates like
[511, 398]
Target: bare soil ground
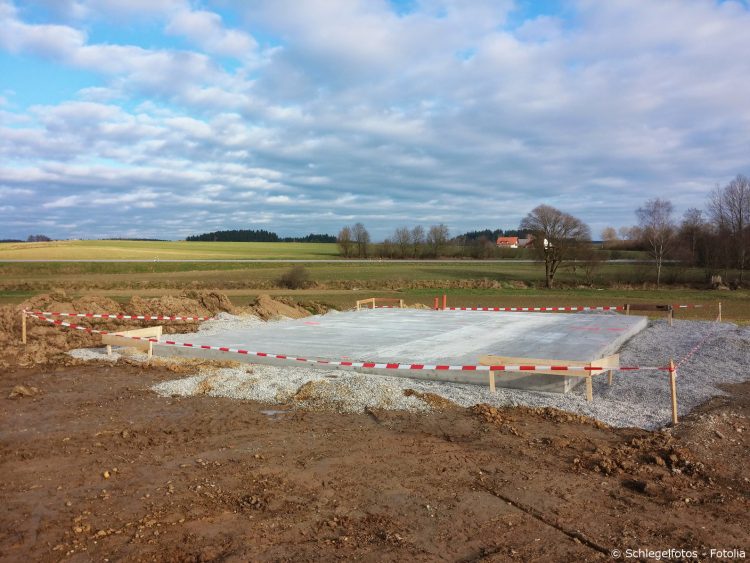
[96, 466]
[93, 465]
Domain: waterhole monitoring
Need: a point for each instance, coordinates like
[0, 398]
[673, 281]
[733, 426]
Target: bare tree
[402, 239]
[730, 210]
[361, 238]
[658, 230]
[609, 234]
[437, 238]
[692, 228]
[344, 241]
[417, 239]
[556, 235]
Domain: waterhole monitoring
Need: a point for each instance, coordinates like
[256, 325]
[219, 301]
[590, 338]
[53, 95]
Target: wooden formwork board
[607, 363]
[120, 338]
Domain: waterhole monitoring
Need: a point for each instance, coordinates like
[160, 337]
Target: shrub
[296, 277]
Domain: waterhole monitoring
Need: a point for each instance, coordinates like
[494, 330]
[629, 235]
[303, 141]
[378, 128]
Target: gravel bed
[639, 398]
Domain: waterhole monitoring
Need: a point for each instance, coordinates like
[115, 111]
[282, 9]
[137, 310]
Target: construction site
[187, 428]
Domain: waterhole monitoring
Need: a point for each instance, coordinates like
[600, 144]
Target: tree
[609, 234]
[692, 228]
[556, 235]
[402, 239]
[361, 239]
[730, 211]
[38, 238]
[417, 239]
[437, 238]
[657, 228]
[344, 241]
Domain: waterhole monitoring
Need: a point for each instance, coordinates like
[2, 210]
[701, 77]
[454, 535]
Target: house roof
[507, 241]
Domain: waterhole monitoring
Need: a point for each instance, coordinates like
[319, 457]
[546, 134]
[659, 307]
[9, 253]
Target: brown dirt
[47, 343]
[96, 466]
[267, 308]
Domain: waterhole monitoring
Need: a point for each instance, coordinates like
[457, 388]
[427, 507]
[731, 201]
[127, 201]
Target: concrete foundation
[430, 337]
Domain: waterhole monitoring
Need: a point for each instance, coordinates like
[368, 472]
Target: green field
[180, 250]
[470, 283]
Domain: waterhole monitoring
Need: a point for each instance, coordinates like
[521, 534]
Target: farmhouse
[507, 242]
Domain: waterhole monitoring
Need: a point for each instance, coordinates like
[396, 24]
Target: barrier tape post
[673, 389]
[719, 317]
[436, 303]
[445, 301]
[23, 326]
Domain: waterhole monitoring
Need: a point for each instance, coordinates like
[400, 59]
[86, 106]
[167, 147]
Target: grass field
[147, 250]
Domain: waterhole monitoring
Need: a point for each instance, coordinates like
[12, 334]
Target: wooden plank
[119, 338]
[673, 389]
[607, 362]
[23, 327]
[589, 390]
[492, 381]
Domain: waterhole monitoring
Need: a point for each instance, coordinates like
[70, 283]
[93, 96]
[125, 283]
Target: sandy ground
[95, 466]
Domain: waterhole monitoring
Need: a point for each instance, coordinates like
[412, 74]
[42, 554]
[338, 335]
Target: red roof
[507, 241]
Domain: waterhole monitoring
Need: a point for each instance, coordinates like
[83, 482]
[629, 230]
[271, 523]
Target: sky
[165, 118]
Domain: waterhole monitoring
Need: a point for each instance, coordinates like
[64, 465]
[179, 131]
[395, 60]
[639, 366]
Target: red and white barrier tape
[117, 316]
[573, 308]
[370, 365]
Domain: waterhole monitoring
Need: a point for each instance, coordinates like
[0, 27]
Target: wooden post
[109, 349]
[627, 309]
[673, 389]
[400, 303]
[445, 300]
[150, 350]
[719, 317]
[589, 389]
[671, 316]
[492, 381]
[23, 326]
[610, 377]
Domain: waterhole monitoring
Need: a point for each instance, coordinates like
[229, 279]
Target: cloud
[206, 30]
[348, 110]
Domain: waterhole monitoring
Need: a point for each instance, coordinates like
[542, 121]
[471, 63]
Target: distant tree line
[261, 235]
[38, 238]
[716, 239]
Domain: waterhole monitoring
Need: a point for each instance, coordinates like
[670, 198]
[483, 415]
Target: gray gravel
[639, 398]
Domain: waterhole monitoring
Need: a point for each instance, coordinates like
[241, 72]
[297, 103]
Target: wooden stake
[109, 349]
[589, 389]
[492, 381]
[23, 326]
[627, 309]
[436, 303]
[719, 318]
[400, 303]
[610, 377]
[150, 350]
[673, 389]
[671, 316]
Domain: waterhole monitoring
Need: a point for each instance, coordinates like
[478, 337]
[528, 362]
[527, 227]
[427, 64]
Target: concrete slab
[430, 337]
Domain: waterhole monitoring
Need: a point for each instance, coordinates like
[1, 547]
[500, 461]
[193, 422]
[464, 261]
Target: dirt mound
[435, 401]
[265, 307]
[187, 303]
[47, 343]
[59, 301]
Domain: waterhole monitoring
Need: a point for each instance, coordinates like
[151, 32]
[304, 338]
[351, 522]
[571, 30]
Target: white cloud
[206, 30]
[359, 112]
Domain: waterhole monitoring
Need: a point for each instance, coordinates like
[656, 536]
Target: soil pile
[46, 343]
[266, 308]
